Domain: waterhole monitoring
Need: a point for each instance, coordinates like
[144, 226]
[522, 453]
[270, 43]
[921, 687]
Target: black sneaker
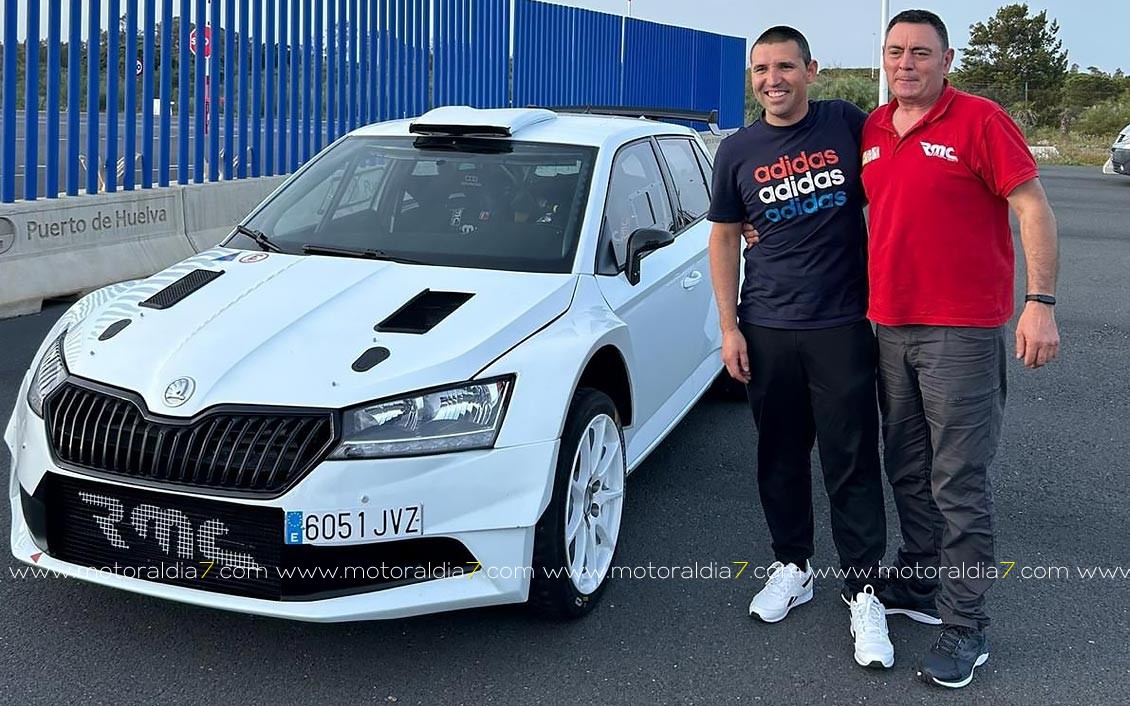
[951, 661]
[898, 598]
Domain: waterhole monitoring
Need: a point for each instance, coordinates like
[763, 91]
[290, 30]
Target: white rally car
[414, 379]
[1119, 162]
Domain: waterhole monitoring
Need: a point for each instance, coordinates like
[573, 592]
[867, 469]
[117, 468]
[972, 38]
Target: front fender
[549, 365]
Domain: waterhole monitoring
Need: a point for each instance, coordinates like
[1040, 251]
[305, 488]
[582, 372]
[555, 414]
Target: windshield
[494, 205]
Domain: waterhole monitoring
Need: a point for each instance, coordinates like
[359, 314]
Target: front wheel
[575, 540]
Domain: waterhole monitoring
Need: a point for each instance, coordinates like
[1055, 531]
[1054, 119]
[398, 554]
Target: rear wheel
[576, 538]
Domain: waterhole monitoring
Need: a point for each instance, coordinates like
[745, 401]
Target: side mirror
[642, 242]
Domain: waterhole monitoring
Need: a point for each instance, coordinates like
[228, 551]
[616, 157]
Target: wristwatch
[1041, 298]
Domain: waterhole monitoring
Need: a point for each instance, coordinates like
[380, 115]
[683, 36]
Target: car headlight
[457, 418]
[49, 375]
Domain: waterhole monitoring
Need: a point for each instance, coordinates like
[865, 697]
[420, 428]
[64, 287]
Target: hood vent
[114, 329]
[423, 312]
[371, 358]
[179, 290]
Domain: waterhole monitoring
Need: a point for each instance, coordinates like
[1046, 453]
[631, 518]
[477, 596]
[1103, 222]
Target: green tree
[1017, 59]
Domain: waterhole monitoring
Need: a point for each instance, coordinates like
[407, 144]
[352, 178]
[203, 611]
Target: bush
[860, 90]
[1105, 119]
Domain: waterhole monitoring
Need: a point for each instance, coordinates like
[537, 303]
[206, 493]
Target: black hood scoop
[423, 312]
[178, 291]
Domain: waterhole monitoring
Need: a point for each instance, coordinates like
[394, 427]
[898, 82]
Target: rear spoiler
[663, 114]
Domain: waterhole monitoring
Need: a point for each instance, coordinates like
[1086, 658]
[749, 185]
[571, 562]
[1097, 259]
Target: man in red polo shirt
[941, 169]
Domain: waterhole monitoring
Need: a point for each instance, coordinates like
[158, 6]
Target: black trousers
[942, 391]
[819, 386]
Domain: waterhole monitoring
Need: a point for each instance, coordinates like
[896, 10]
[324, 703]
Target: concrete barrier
[210, 210]
[58, 247]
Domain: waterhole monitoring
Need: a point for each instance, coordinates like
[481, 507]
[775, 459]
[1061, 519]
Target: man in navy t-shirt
[800, 339]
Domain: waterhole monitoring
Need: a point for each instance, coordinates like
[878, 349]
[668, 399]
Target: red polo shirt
[940, 247]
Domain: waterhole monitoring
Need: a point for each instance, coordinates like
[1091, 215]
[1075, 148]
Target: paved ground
[1060, 483]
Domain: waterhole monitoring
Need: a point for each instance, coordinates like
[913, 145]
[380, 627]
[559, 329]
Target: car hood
[287, 330]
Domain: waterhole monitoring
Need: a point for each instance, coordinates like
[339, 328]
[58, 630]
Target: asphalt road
[1060, 484]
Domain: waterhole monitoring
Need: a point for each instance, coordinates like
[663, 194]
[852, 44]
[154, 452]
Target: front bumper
[488, 501]
[1120, 160]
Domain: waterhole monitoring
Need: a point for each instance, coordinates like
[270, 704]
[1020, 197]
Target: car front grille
[234, 451]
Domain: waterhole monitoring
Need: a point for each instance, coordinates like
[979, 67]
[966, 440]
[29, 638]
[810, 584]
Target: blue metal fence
[247, 88]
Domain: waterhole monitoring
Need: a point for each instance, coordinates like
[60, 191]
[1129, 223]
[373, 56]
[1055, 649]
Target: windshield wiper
[259, 237]
[366, 253]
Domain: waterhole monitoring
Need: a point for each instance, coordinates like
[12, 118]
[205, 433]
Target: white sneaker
[788, 586]
[873, 646]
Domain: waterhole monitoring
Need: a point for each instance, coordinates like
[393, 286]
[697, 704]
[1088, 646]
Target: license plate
[353, 526]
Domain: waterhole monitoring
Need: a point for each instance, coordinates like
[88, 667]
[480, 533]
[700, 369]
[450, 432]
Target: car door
[664, 310]
[689, 174]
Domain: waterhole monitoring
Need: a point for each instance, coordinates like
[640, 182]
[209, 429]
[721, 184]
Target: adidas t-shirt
[800, 187]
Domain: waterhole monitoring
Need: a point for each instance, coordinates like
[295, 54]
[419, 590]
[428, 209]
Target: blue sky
[845, 32]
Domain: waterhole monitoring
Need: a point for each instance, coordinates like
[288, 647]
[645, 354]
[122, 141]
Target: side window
[637, 198]
[706, 163]
[690, 185]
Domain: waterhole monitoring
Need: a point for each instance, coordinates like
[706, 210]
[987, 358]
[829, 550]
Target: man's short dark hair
[781, 33]
[922, 17]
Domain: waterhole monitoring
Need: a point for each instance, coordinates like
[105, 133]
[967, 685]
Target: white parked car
[413, 380]
[1119, 162]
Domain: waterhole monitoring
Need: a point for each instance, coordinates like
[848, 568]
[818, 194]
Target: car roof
[536, 125]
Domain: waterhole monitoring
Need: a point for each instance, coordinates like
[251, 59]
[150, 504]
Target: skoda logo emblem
[178, 391]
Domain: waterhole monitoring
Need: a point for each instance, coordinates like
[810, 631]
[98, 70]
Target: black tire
[552, 593]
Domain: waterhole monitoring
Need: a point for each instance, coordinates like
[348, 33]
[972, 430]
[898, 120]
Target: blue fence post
[231, 64]
[199, 109]
[8, 128]
[363, 64]
[74, 90]
[374, 43]
[350, 75]
[93, 54]
[280, 106]
[54, 76]
[130, 76]
[269, 104]
[257, 68]
[341, 33]
[331, 70]
[183, 87]
[319, 80]
[31, 102]
[244, 45]
[113, 72]
[212, 100]
[165, 147]
[295, 93]
[307, 108]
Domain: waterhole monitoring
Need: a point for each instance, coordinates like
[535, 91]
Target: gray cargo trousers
[942, 393]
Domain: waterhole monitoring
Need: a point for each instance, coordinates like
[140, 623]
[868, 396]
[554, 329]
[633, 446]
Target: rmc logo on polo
[940, 151]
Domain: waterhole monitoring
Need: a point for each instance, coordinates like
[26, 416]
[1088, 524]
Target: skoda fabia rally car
[414, 379]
